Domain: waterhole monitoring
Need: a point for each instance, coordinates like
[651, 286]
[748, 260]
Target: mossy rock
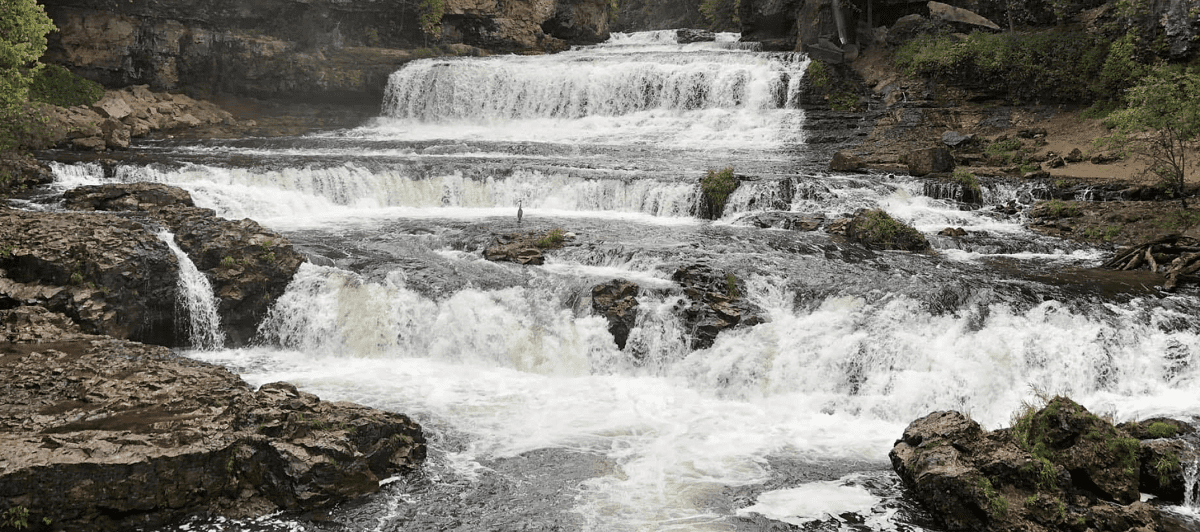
[877, 230]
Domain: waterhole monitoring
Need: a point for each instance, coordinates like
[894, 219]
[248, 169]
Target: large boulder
[617, 301]
[928, 161]
[877, 230]
[100, 434]
[248, 265]
[713, 302]
[106, 272]
[1059, 468]
[579, 21]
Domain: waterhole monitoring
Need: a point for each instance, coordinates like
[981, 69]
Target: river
[536, 420]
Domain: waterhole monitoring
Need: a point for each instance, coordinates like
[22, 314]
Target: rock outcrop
[713, 303]
[527, 248]
[771, 22]
[876, 229]
[248, 265]
[795, 221]
[100, 434]
[106, 272]
[617, 301]
[1059, 468]
[325, 50]
[134, 112]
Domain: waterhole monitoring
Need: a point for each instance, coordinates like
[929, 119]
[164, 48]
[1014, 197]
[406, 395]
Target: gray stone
[959, 15]
[954, 139]
[844, 161]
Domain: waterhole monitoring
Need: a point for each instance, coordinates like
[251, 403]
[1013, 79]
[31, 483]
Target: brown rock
[106, 435]
[844, 161]
[617, 301]
[113, 106]
[928, 161]
[115, 134]
[88, 144]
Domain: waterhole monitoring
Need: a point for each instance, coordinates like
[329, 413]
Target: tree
[1161, 124]
[23, 28]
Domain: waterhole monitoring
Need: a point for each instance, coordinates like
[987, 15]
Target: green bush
[717, 186]
[1052, 66]
[56, 85]
[1158, 429]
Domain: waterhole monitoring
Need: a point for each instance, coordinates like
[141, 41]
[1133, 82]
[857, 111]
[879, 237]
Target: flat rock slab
[104, 434]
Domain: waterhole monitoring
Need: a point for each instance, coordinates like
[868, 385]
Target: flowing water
[536, 420]
[197, 306]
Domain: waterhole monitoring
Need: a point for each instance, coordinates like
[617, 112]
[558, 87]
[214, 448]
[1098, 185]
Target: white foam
[815, 501]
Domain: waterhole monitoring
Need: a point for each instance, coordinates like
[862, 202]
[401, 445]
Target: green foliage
[23, 29]
[967, 181]
[997, 502]
[1161, 123]
[15, 517]
[76, 278]
[722, 15]
[878, 229]
[554, 238]
[1100, 110]
[1047, 475]
[818, 74]
[431, 16]
[1126, 450]
[717, 186]
[1062, 209]
[731, 288]
[1159, 429]
[56, 85]
[1121, 68]
[1053, 66]
[1166, 464]
[227, 262]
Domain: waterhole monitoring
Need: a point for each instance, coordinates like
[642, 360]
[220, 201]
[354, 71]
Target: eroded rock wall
[315, 50]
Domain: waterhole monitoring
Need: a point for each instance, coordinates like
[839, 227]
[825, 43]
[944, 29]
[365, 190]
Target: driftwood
[1177, 257]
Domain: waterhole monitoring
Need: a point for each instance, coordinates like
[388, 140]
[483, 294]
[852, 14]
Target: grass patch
[876, 228]
[1159, 429]
[1166, 464]
[1062, 209]
[551, 239]
[997, 503]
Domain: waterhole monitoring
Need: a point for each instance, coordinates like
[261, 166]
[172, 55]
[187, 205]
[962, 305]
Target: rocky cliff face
[326, 50]
[100, 434]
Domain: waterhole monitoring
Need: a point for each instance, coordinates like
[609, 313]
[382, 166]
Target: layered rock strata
[101, 434]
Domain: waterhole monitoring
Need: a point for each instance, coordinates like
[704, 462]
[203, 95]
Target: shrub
[717, 186]
[876, 229]
[1158, 429]
[554, 238]
[1052, 66]
[56, 85]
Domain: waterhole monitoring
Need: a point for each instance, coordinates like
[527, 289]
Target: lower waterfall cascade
[536, 420]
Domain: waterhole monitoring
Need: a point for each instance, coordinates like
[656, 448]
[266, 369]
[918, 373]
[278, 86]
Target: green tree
[23, 28]
[1161, 123]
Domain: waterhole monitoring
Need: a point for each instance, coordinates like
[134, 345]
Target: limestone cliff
[326, 50]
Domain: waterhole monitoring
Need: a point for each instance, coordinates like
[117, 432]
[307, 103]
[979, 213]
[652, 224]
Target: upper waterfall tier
[617, 79]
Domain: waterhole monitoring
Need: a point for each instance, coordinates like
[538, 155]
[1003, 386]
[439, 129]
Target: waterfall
[506, 88]
[1191, 484]
[196, 300]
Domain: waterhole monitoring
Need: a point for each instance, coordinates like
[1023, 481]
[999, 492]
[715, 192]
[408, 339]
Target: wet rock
[1162, 468]
[953, 232]
[115, 134]
[844, 161]
[22, 171]
[929, 160]
[1058, 468]
[794, 221]
[1036, 174]
[688, 36]
[617, 301]
[877, 230]
[248, 265]
[527, 248]
[713, 303]
[104, 434]
[107, 273]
